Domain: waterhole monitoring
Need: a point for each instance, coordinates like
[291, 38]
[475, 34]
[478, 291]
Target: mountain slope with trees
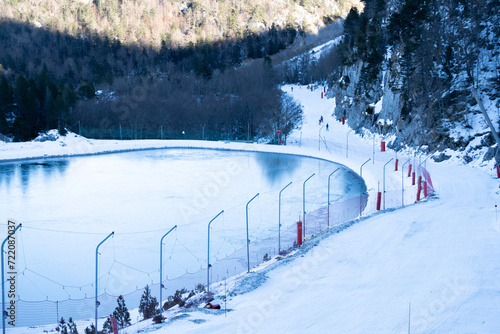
[208, 70]
[408, 68]
[165, 65]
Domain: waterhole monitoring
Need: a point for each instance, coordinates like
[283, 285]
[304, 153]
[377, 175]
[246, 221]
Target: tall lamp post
[328, 223]
[279, 218]
[97, 277]
[208, 251]
[248, 238]
[161, 265]
[304, 203]
[3, 277]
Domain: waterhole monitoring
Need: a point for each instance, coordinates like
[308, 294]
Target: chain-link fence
[124, 133]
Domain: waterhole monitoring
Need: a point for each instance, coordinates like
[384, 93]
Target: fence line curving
[47, 312]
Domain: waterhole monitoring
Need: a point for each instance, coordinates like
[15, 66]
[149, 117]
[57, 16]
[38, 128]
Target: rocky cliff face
[417, 89]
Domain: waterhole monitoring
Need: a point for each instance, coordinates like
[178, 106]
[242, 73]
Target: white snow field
[431, 267]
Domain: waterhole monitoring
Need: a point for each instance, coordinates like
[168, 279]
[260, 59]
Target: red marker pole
[498, 171]
[299, 233]
[379, 199]
[413, 178]
[114, 324]
[409, 170]
[343, 120]
[396, 166]
[419, 189]
[382, 146]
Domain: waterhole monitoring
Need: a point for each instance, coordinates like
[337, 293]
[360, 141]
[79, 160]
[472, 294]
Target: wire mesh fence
[47, 312]
[125, 133]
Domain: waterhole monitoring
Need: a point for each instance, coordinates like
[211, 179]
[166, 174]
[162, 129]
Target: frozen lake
[69, 205]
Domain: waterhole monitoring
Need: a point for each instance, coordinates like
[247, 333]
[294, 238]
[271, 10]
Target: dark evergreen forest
[48, 80]
[426, 51]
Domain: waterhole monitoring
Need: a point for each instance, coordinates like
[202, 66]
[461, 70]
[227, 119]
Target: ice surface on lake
[67, 206]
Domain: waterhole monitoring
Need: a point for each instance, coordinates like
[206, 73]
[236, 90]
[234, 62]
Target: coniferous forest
[158, 68]
[212, 70]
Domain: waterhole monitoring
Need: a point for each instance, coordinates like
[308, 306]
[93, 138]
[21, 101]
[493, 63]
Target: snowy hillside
[420, 61]
[431, 267]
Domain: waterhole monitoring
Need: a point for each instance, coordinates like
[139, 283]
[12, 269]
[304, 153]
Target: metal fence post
[97, 277]
[161, 265]
[208, 252]
[304, 204]
[384, 179]
[248, 238]
[279, 218]
[328, 215]
[360, 196]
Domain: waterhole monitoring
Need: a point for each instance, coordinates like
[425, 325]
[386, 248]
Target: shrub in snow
[5, 138]
[158, 318]
[51, 135]
[67, 327]
[176, 299]
[62, 130]
[107, 328]
[199, 288]
[90, 329]
[198, 297]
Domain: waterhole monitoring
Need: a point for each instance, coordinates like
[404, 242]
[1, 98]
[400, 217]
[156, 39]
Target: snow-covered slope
[429, 268]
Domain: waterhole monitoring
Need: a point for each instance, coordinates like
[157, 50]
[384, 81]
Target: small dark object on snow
[158, 318]
[212, 306]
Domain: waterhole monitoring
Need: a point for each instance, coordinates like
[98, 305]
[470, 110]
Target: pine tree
[352, 30]
[6, 98]
[107, 328]
[148, 304]
[4, 126]
[121, 313]
[26, 122]
[69, 327]
[90, 329]
[20, 89]
[5, 91]
[63, 327]
[72, 327]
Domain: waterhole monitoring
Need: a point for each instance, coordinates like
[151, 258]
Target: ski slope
[427, 268]
[431, 267]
